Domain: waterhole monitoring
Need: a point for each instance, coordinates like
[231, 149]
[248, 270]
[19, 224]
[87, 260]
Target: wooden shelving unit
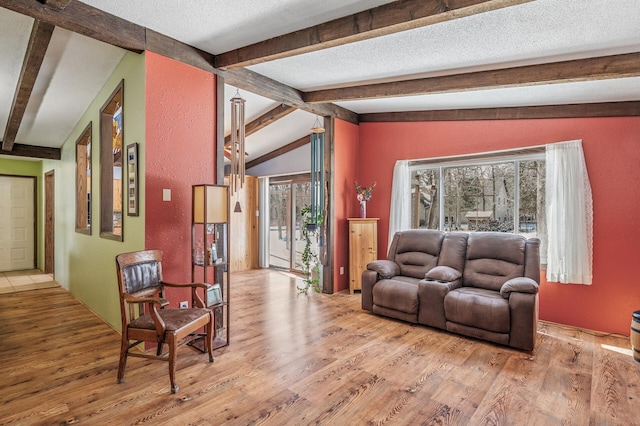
[210, 253]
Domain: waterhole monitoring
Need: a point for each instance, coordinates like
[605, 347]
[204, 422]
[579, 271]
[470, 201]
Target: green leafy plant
[310, 260]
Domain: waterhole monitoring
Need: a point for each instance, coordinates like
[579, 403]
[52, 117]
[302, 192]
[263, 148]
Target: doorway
[17, 223]
[287, 197]
[49, 207]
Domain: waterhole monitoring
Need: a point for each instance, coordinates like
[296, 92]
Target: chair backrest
[140, 275]
[495, 257]
[416, 251]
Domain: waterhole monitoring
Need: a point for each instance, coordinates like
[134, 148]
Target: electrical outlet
[342, 270]
[184, 305]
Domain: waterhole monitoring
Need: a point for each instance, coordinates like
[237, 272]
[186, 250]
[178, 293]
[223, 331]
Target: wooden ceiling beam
[387, 19]
[34, 152]
[264, 120]
[41, 33]
[56, 4]
[278, 152]
[601, 68]
[256, 83]
[605, 109]
[83, 19]
[171, 48]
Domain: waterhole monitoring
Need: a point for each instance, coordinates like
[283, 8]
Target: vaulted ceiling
[360, 60]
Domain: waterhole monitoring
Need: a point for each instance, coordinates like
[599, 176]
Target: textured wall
[180, 152]
[345, 173]
[612, 151]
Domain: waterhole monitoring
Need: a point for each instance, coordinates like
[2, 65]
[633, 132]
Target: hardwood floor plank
[306, 359]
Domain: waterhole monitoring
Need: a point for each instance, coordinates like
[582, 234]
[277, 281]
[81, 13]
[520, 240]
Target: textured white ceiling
[15, 30]
[217, 26]
[58, 101]
[530, 33]
[627, 89]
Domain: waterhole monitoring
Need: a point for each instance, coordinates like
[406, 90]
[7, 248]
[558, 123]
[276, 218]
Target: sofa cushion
[493, 258]
[479, 308]
[416, 251]
[398, 293]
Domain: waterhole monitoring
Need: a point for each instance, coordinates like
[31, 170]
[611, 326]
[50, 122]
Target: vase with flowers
[364, 194]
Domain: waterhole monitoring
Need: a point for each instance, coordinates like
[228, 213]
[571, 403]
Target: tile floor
[34, 279]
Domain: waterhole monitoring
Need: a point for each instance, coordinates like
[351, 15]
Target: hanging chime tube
[237, 143]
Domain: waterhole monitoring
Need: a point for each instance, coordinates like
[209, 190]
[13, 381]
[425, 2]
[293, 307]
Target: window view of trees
[503, 197]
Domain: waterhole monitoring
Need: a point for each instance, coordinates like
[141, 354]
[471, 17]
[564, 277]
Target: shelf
[217, 343]
[209, 241]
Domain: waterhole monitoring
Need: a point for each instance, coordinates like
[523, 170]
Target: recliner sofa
[482, 284]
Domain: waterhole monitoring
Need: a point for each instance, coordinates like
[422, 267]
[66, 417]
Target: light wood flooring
[305, 359]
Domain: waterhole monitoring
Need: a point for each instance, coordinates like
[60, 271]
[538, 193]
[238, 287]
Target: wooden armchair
[141, 285]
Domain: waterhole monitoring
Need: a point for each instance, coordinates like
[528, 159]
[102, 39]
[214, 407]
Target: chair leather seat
[174, 319]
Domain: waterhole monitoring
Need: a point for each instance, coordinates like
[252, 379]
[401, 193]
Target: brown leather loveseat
[482, 284]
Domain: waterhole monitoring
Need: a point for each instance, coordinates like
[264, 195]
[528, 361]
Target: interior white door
[17, 223]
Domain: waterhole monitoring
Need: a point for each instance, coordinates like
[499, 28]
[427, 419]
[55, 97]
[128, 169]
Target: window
[503, 194]
[111, 184]
[83, 182]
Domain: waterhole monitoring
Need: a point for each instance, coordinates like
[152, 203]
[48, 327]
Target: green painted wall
[85, 264]
[11, 166]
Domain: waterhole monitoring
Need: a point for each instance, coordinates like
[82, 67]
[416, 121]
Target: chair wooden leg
[210, 338]
[124, 347]
[173, 351]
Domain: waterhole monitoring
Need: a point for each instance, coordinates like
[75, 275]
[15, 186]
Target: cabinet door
[363, 243]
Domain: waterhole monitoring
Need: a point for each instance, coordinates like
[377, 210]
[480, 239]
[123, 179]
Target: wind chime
[236, 174]
[317, 172]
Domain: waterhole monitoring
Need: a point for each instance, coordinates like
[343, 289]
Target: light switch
[166, 195]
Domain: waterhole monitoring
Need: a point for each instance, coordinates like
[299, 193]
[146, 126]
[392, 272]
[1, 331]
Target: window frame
[107, 177]
[474, 160]
[84, 180]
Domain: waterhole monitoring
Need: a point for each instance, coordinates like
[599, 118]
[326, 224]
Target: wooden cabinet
[363, 248]
[210, 253]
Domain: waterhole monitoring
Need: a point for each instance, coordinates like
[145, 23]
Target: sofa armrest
[443, 274]
[384, 268]
[431, 294]
[369, 279]
[519, 285]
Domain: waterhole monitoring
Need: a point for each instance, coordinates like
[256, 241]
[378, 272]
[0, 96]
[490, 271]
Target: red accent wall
[346, 152]
[179, 152]
[612, 154]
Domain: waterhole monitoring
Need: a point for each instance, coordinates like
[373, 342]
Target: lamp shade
[210, 203]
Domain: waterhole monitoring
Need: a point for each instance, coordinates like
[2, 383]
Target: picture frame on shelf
[214, 295]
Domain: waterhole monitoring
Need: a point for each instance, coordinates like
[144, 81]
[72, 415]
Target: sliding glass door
[287, 198]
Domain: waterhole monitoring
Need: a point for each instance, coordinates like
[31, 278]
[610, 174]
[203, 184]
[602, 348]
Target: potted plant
[310, 260]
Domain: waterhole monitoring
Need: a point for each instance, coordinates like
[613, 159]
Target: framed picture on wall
[132, 179]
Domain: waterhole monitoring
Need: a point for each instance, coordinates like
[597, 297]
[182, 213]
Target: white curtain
[399, 214]
[569, 214]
